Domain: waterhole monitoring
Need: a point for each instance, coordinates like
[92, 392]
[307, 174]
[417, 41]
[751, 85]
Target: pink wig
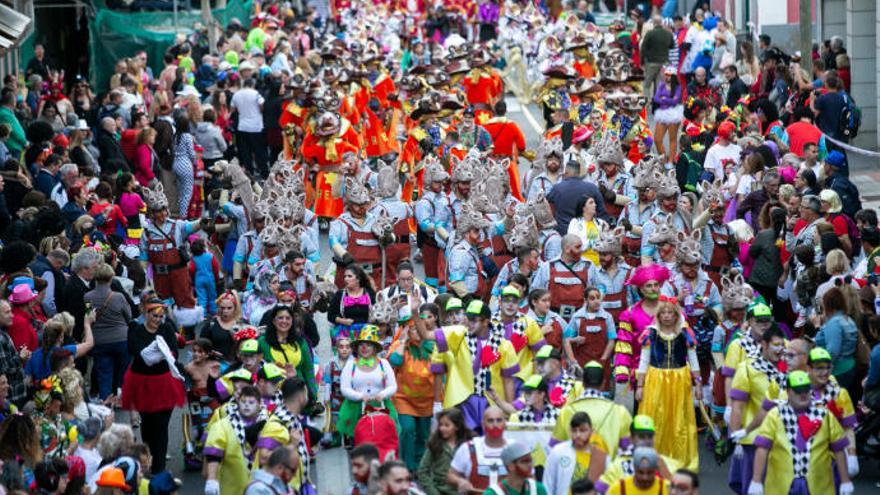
[644, 273]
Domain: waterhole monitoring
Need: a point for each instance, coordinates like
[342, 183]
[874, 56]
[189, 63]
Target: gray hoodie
[209, 137]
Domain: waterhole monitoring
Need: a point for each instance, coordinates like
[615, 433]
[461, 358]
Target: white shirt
[461, 460]
[250, 117]
[91, 458]
[717, 153]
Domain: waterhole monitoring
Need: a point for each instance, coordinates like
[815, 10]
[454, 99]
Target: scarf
[773, 374]
[800, 446]
[291, 422]
[329, 144]
[751, 348]
[549, 415]
[517, 334]
[239, 427]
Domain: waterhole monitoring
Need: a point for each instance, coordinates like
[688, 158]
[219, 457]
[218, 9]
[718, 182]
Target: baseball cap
[510, 291]
[453, 304]
[535, 382]
[836, 159]
[761, 312]
[548, 352]
[819, 355]
[164, 484]
[240, 374]
[474, 308]
[513, 451]
[271, 372]
[643, 423]
[799, 381]
[249, 346]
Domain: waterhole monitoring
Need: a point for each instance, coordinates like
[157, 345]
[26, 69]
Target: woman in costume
[668, 381]
[368, 382]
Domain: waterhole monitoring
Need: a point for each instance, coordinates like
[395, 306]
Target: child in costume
[591, 333]
[331, 389]
[205, 270]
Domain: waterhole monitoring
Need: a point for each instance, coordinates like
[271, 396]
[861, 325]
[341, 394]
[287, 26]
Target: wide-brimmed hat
[585, 86]
[369, 334]
[22, 294]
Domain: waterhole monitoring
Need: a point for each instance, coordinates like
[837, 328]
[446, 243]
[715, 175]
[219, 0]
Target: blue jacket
[564, 197]
[838, 336]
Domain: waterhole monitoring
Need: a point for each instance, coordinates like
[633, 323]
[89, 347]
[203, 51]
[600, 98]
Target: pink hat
[22, 294]
[645, 273]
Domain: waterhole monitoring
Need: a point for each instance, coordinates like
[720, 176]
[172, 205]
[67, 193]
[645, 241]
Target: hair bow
[673, 300]
[245, 334]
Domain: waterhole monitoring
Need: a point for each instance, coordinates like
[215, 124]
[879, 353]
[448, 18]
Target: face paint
[651, 295]
[249, 407]
[509, 306]
[494, 431]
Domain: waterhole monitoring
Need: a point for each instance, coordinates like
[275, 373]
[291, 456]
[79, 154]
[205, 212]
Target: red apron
[170, 275]
[721, 258]
[566, 289]
[615, 303]
[593, 346]
[398, 251]
[364, 248]
[478, 481]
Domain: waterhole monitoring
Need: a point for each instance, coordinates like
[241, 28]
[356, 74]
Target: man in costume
[473, 360]
[521, 331]
[645, 479]
[518, 459]
[423, 139]
[562, 386]
[162, 246]
[616, 422]
[391, 206]
[466, 272]
[432, 233]
[642, 434]
[565, 277]
[546, 169]
[637, 214]
[476, 465]
[829, 394]
[648, 279]
[747, 345]
[756, 385]
[611, 274]
[525, 263]
[508, 141]
[351, 236]
[227, 451]
[667, 211]
[719, 246]
[483, 86]
[736, 296]
[796, 444]
[322, 151]
[614, 184]
[284, 428]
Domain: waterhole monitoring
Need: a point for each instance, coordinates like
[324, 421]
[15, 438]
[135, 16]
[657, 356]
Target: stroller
[377, 427]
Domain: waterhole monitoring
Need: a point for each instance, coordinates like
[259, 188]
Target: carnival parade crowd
[684, 259]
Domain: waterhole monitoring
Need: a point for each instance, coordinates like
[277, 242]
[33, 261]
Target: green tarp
[116, 35]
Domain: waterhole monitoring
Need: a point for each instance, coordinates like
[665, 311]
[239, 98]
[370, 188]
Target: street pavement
[332, 465]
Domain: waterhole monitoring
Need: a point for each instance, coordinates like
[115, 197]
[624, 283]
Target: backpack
[852, 231]
[850, 117]
[848, 193]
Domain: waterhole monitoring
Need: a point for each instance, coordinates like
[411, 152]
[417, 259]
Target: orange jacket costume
[508, 141]
[381, 137]
[482, 88]
[327, 152]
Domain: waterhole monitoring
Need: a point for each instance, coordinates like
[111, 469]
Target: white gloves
[438, 406]
[738, 451]
[737, 435]
[758, 489]
[152, 354]
[852, 465]
[212, 487]
[727, 411]
[847, 488]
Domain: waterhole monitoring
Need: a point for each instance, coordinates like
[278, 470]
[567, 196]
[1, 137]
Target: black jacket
[112, 159]
[72, 300]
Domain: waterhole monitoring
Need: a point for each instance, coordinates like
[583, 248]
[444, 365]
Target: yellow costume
[610, 421]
